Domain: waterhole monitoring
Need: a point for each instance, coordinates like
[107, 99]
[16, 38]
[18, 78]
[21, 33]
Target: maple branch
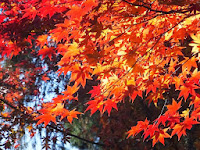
[180, 66]
[162, 110]
[158, 11]
[123, 74]
[133, 25]
[70, 134]
[140, 58]
[13, 86]
[51, 126]
[10, 105]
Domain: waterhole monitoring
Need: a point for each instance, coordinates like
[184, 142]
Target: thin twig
[158, 11]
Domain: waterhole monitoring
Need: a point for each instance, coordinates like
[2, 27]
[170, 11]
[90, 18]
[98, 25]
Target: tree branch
[51, 126]
[158, 11]
[70, 134]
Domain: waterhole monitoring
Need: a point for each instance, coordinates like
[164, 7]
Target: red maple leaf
[109, 104]
[46, 51]
[95, 91]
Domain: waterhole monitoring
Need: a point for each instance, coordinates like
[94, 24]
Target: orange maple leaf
[72, 114]
[159, 136]
[195, 76]
[76, 12]
[141, 125]
[180, 129]
[71, 89]
[172, 66]
[45, 78]
[58, 109]
[174, 107]
[80, 74]
[42, 40]
[188, 88]
[46, 118]
[191, 62]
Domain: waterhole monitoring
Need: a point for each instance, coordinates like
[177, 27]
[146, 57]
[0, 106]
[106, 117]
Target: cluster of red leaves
[170, 122]
[133, 47]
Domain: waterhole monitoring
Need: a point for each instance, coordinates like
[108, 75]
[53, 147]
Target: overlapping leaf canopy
[135, 48]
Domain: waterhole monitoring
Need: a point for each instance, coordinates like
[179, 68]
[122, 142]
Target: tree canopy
[116, 52]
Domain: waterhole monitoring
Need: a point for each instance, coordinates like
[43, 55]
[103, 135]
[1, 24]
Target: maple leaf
[72, 50]
[184, 92]
[80, 74]
[173, 119]
[178, 82]
[75, 12]
[50, 10]
[134, 95]
[96, 104]
[95, 91]
[131, 58]
[58, 109]
[141, 125]
[162, 119]
[46, 118]
[195, 76]
[66, 24]
[191, 62]
[45, 78]
[88, 4]
[180, 129]
[64, 70]
[71, 89]
[195, 101]
[187, 88]
[185, 113]
[134, 131]
[42, 40]
[46, 51]
[150, 131]
[155, 96]
[196, 44]
[11, 49]
[68, 94]
[108, 105]
[172, 66]
[160, 135]
[189, 122]
[30, 13]
[72, 114]
[174, 107]
[133, 91]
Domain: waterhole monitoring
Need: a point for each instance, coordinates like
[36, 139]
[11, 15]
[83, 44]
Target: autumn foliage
[135, 49]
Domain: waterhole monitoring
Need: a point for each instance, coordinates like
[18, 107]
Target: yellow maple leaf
[72, 50]
[196, 44]
[185, 113]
